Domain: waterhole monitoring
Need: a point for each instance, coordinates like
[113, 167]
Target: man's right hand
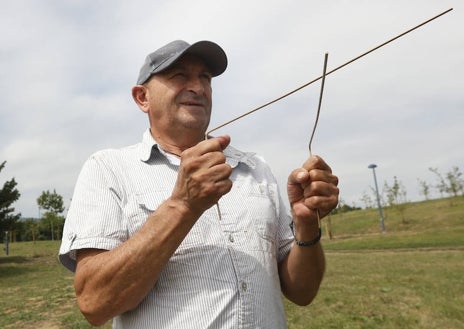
[203, 176]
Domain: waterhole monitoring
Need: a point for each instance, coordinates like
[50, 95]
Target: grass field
[412, 276]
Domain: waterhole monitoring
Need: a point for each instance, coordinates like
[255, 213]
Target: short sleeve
[284, 233]
[95, 218]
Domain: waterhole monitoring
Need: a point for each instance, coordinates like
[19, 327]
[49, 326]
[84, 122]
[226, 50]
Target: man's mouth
[194, 103]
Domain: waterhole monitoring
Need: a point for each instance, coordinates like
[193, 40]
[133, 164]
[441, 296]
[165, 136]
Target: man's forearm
[301, 273]
[109, 283]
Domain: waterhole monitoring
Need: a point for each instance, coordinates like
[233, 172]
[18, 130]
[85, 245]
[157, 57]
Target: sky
[67, 68]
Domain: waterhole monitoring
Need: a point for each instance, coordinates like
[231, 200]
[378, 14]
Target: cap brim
[213, 55]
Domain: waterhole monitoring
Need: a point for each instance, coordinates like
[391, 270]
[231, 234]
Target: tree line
[50, 224]
[48, 227]
[450, 184]
[394, 195]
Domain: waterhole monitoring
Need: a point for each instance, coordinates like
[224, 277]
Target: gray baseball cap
[213, 55]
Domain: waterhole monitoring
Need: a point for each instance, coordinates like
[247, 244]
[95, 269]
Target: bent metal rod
[327, 73]
[324, 74]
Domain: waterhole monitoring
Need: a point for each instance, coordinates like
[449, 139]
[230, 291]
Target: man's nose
[196, 85]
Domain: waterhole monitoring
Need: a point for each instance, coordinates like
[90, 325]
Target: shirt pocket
[139, 207]
[262, 215]
[143, 205]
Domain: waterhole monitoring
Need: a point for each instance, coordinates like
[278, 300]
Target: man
[145, 238]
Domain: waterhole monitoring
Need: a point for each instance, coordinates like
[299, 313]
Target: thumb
[224, 141]
[296, 180]
[298, 176]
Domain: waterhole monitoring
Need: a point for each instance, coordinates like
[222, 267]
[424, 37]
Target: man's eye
[206, 77]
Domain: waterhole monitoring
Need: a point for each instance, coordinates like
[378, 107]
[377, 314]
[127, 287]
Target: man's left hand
[311, 189]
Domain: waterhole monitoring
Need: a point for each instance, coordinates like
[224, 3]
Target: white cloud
[67, 69]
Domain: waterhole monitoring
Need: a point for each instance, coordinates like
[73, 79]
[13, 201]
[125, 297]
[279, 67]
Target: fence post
[7, 241]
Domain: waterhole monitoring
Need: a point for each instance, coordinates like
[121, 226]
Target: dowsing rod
[327, 73]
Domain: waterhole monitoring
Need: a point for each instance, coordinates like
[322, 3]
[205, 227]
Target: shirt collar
[233, 156]
[148, 145]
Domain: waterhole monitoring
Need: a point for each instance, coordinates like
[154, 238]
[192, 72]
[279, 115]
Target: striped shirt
[224, 274]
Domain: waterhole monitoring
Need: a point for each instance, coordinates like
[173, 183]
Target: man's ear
[139, 94]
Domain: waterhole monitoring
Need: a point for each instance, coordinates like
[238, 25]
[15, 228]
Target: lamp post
[382, 224]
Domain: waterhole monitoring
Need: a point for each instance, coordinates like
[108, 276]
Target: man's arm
[311, 189]
[109, 283]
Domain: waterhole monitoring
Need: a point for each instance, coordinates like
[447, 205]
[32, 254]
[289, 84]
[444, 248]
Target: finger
[220, 172]
[210, 145]
[316, 162]
[206, 153]
[224, 141]
[323, 175]
[216, 179]
[324, 204]
[320, 188]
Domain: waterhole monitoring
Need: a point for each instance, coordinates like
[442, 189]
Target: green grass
[37, 292]
[409, 289]
[411, 276]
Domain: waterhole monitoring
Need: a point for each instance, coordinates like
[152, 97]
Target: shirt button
[231, 238]
[244, 286]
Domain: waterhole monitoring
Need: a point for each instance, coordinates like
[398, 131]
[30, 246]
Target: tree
[396, 197]
[30, 230]
[453, 184]
[425, 188]
[367, 200]
[9, 194]
[51, 226]
[53, 204]
[342, 207]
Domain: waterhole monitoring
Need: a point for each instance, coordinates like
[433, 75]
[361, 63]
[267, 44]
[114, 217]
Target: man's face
[180, 97]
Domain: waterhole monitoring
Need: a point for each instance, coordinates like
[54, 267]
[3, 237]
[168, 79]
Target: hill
[428, 224]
